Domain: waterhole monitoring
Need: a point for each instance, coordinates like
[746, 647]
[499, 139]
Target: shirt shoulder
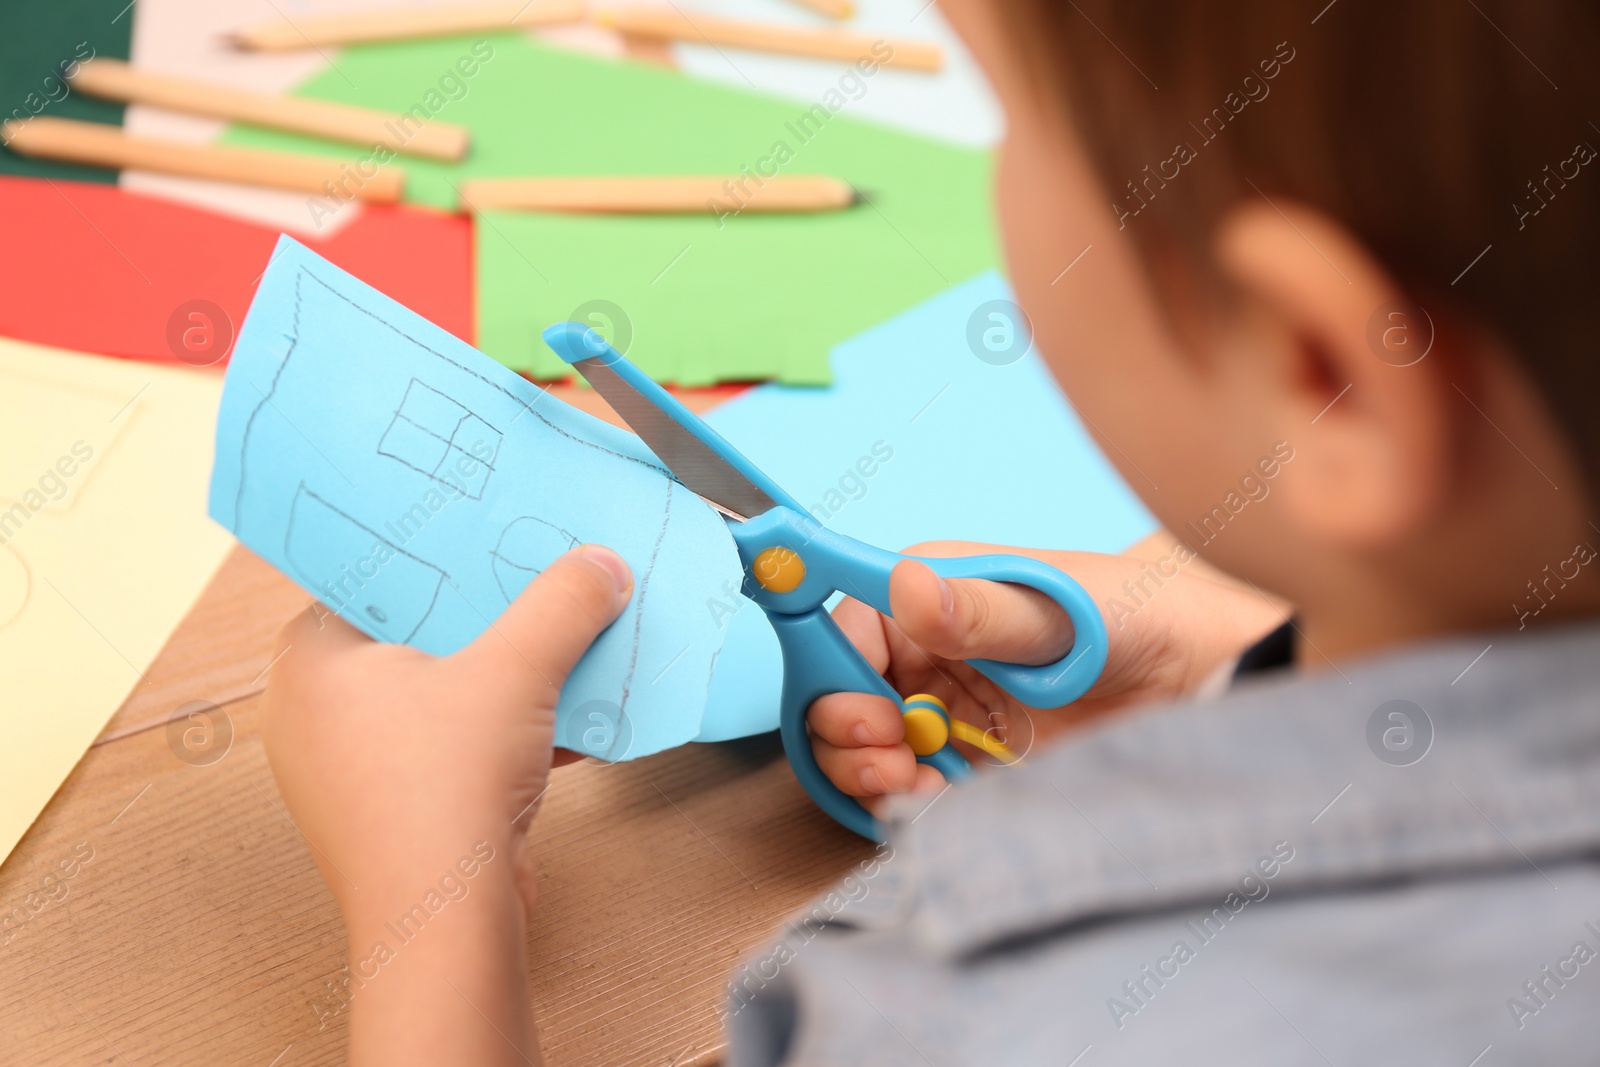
[1390, 818]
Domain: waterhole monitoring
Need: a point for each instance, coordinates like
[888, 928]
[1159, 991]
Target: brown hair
[1433, 129]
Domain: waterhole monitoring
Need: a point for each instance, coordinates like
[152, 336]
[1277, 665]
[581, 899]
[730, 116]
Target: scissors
[793, 565]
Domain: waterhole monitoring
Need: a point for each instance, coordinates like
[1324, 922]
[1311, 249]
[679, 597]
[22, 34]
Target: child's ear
[1356, 373]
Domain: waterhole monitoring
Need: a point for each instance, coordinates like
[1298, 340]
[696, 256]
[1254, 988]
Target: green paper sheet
[759, 296]
[35, 39]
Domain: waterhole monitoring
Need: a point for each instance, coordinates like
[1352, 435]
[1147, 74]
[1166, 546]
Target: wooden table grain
[194, 927]
[198, 930]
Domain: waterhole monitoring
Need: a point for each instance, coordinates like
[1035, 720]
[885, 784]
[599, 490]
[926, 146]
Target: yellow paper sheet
[104, 545]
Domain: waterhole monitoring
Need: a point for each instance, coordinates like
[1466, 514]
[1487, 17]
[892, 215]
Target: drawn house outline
[302, 274]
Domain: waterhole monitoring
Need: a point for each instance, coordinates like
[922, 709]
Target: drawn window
[436, 436]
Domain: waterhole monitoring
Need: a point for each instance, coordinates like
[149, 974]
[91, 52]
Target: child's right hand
[1181, 634]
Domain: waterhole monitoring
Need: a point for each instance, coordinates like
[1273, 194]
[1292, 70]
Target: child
[1332, 320]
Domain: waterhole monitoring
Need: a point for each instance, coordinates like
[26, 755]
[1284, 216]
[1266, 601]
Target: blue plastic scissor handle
[817, 658]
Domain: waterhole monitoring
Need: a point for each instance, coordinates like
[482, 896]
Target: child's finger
[928, 780]
[557, 617]
[867, 772]
[967, 618]
[864, 628]
[856, 720]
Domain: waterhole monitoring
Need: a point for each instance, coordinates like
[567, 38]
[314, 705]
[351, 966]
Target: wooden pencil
[697, 27]
[99, 144]
[660, 195]
[834, 9]
[655, 51]
[113, 79]
[401, 23]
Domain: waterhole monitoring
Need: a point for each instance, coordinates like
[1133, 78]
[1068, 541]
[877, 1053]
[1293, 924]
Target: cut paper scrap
[34, 43]
[693, 299]
[104, 545]
[101, 269]
[918, 440]
[415, 487]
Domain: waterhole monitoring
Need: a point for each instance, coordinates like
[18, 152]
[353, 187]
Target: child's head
[1368, 232]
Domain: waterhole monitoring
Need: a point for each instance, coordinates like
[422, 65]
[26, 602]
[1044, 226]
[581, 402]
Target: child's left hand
[397, 765]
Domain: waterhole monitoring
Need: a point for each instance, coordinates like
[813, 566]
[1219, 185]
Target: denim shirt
[1375, 863]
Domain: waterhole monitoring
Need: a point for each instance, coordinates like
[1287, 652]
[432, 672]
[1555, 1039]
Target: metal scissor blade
[690, 459]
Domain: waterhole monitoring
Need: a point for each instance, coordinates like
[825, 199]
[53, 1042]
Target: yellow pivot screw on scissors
[929, 727]
[794, 565]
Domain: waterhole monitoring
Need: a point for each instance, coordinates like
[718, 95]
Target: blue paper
[975, 452]
[415, 486]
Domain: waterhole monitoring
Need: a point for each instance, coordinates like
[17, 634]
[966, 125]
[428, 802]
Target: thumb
[556, 618]
[971, 618]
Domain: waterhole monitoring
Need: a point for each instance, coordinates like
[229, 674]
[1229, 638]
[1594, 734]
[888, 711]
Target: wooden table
[200, 932]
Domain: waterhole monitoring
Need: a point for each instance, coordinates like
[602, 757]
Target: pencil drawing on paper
[354, 568]
[437, 436]
[525, 547]
[415, 488]
[447, 422]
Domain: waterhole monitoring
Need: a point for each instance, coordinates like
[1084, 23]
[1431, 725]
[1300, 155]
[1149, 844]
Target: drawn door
[357, 573]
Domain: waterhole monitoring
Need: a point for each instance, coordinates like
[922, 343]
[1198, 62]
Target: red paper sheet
[98, 269]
